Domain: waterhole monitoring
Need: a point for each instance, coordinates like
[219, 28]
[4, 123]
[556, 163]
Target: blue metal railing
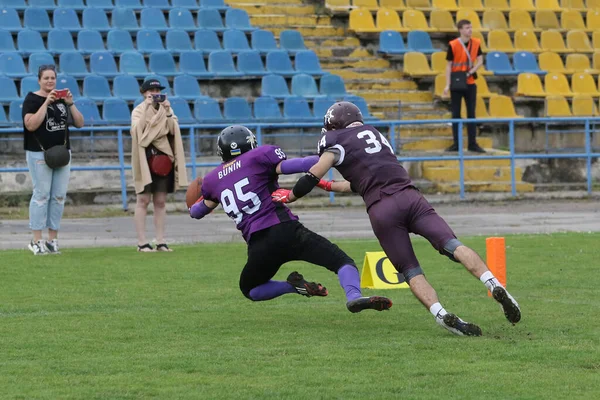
[587, 154]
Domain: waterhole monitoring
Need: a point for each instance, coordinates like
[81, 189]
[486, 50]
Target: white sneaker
[52, 247]
[457, 326]
[38, 248]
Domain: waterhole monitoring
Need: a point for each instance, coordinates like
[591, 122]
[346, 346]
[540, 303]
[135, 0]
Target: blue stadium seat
[180, 18]
[37, 59]
[115, 111]
[237, 109]
[119, 41]
[291, 40]
[59, 41]
[72, 4]
[236, 18]
[218, 4]
[66, 18]
[148, 41]
[164, 4]
[6, 42]
[421, 42]
[333, 85]
[321, 105]
[207, 109]
[12, 65]
[126, 87]
[89, 110]
[266, 109]
[163, 82]
[210, 19]
[304, 85]
[68, 82]
[9, 19]
[263, 41]
[525, 61]
[274, 86]
[206, 40]
[15, 112]
[278, 62]
[361, 103]
[37, 19]
[181, 108]
[498, 63]
[153, 18]
[307, 62]
[103, 63]
[296, 108]
[15, 4]
[3, 118]
[185, 3]
[30, 41]
[391, 42]
[124, 18]
[9, 90]
[220, 63]
[95, 20]
[192, 63]
[186, 87]
[89, 41]
[29, 84]
[249, 62]
[105, 4]
[72, 63]
[162, 63]
[138, 101]
[132, 63]
[178, 40]
[43, 4]
[128, 4]
[235, 40]
[96, 88]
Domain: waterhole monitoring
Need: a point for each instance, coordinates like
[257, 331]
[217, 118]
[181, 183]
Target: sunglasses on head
[46, 67]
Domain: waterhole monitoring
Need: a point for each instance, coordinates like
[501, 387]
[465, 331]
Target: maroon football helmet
[340, 115]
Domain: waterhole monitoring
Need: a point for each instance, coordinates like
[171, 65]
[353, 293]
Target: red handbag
[160, 164]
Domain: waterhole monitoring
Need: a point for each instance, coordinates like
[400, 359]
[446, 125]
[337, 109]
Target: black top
[450, 53]
[54, 128]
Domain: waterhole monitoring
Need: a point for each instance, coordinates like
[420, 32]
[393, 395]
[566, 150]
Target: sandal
[145, 248]
[162, 247]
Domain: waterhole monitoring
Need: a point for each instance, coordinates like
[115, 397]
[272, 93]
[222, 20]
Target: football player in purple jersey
[395, 207]
[243, 185]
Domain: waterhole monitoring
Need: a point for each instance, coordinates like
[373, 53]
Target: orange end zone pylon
[496, 258]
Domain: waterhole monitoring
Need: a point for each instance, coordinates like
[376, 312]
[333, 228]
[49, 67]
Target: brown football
[194, 191]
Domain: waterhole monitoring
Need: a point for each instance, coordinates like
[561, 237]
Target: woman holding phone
[157, 161]
[47, 114]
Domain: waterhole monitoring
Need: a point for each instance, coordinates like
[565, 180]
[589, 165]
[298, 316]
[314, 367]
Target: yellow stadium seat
[529, 85]
[478, 35]
[580, 63]
[548, 5]
[440, 84]
[416, 65]
[583, 83]
[596, 61]
[526, 5]
[596, 40]
[480, 109]
[389, 20]
[500, 41]
[341, 5]
[525, 39]
[593, 4]
[415, 20]
[500, 5]
[593, 20]
[574, 4]
[584, 106]
[449, 5]
[442, 21]
[471, 16]
[438, 62]
[520, 19]
[361, 20]
[546, 19]
[553, 41]
[557, 83]
[502, 107]
[579, 42]
[552, 62]
[494, 19]
[557, 106]
[397, 5]
[572, 19]
[475, 5]
[483, 71]
[370, 5]
[423, 4]
[482, 87]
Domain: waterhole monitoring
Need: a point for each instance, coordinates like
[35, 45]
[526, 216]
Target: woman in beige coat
[155, 131]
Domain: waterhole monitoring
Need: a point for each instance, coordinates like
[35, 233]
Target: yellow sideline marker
[495, 249]
[379, 273]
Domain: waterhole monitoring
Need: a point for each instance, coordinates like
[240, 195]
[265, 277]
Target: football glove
[281, 196]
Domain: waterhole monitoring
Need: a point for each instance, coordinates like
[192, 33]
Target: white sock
[437, 310]
[489, 280]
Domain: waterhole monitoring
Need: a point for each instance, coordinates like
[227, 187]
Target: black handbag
[458, 81]
[56, 156]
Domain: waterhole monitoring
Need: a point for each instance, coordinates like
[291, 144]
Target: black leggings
[470, 96]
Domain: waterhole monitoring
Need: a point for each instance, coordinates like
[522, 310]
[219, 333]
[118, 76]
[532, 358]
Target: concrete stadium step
[308, 32]
[289, 20]
[279, 9]
[389, 95]
[356, 62]
[333, 42]
[347, 74]
[424, 132]
[373, 84]
[469, 163]
[264, 2]
[481, 187]
[477, 173]
[437, 143]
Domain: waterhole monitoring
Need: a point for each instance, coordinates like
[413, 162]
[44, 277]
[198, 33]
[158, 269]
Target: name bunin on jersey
[229, 168]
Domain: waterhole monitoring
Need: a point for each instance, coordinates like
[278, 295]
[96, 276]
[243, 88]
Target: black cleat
[454, 147]
[511, 309]
[476, 149]
[457, 326]
[305, 288]
[364, 303]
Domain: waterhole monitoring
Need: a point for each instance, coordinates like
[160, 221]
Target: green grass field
[116, 324]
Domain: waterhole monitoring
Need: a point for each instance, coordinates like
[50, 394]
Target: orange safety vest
[460, 61]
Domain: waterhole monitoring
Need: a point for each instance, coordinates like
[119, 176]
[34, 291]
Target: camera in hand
[61, 94]
[159, 97]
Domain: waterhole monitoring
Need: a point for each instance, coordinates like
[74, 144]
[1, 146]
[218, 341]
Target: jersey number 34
[228, 200]
[374, 145]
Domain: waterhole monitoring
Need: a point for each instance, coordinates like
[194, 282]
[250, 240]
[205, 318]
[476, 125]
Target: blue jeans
[49, 192]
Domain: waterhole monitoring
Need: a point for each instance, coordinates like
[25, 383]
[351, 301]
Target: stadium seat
[132, 63]
[553, 41]
[362, 105]
[235, 40]
[304, 85]
[307, 62]
[391, 42]
[321, 106]
[482, 87]
[278, 62]
[186, 87]
[192, 63]
[556, 83]
[9, 90]
[207, 109]
[218, 4]
[163, 82]
[415, 20]
[185, 3]
[593, 20]
[478, 35]
[266, 109]
[153, 18]
[388, 20]
[420, 41]
[416, 65]
[548, 5]
[119, 41]
[439, 85]
[580, 63]
[593, 4]
[115, 111]
[128, 3]
[439, 63]
[529, 85]
[72, 63]
[546, 19]
[572, 19]
[274, 86]
[126, 87]
[475, 5]
[220, 63]
[397, 5]
[3, 118]
[89, 41]
[89, 110]
[15, 112]
[6, 42]
[575, 4]
[181, 108]
[470, 15]
[206, 40]
[37, 59]
[12, 65]
[37, 19]
[148, 41]
[96, 88]
[584, 106]
[525, 5]
[72, 4]
[596, 61]
[552, 62]
[236, 18]
[95, 20]
[442, 21]
[66, 18]
[180, 18]
[480, 108]
[237, 109]
[296, 108]
[423, 4]
[494, 20]
[178, 40]
[164, 4]
[68, 82]
[263, 41]
[583, 83]
[250, 63]
[291, 40]
[502, 107]
[526, 40]
[30, 41]
[9, 19]
[59, 41]
[557, 106]
[14, 4]
[105, 4]
[596, 40]
[370, 5]
[525, 61]
[499, 64]
[498, 40]
[579, 42]
[162, 63]
[332, 85]
[520, 20]
[210, 19]
[339, 6]
[361, 21]
[124, 18]
[449, 5]
[138, 101]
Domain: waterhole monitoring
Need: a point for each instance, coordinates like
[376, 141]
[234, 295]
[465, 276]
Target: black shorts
[161, 184]
[270, 248]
